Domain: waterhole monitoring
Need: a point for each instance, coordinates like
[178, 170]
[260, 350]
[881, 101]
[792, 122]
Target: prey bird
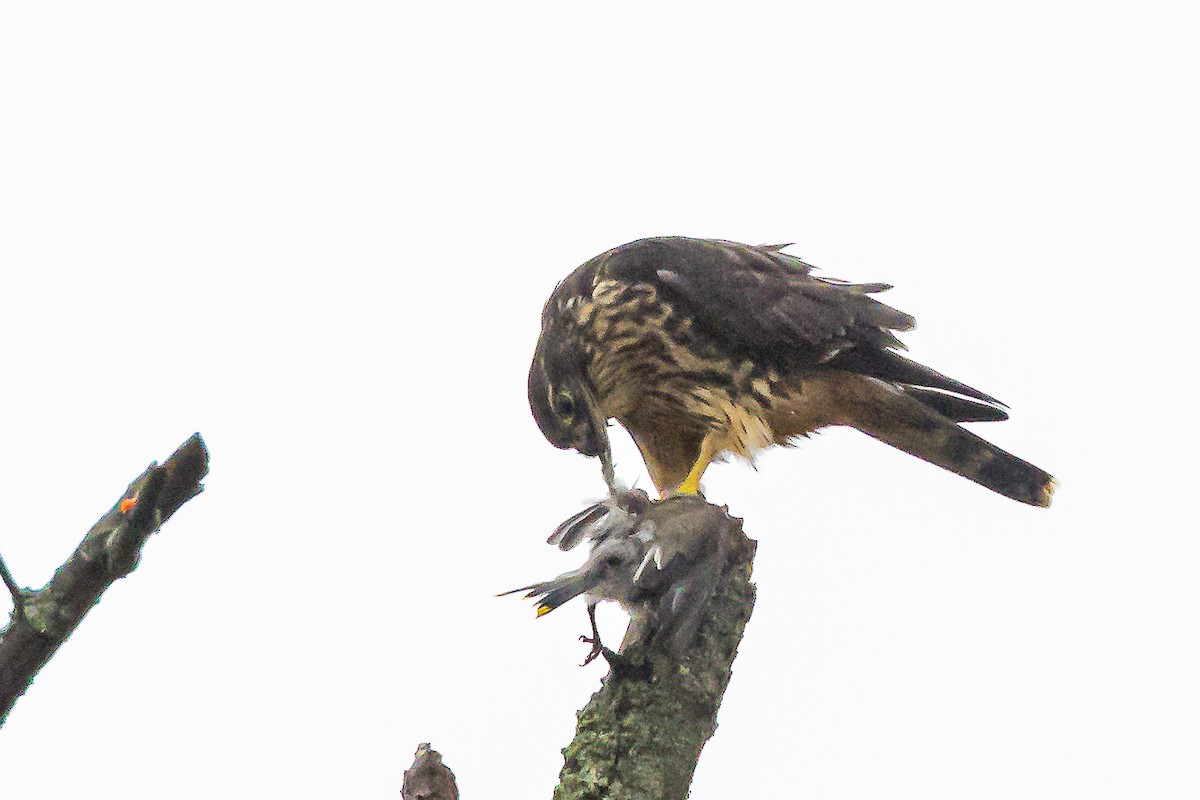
[702, 347]
[659, 561]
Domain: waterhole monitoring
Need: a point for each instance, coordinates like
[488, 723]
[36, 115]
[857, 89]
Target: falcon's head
[563, 403]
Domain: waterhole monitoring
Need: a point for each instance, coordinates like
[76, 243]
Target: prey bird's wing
[579, 526]
[615, 515]
[690, 544]
[684, 531]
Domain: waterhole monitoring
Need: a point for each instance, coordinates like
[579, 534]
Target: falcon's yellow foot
[709, 450]
[690, 485]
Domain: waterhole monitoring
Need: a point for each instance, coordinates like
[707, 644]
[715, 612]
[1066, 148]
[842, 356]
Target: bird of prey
[659, 561]
[705, 347]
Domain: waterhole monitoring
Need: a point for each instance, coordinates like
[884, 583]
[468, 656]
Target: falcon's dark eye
[563, 404]
[612, 561]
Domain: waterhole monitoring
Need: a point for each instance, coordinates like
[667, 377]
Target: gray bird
[691, 543]
[608, 574]
[659, 561]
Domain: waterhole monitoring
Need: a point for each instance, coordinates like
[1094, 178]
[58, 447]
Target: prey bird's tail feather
[887, 413]
[552, 594]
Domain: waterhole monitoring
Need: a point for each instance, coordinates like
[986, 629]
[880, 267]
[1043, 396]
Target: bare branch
[641, 735]
[428, 778]
[43, 619]
[11, 584]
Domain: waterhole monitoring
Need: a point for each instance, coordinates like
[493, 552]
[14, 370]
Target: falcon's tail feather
[886, 413]
[959, 409]
[891, 366]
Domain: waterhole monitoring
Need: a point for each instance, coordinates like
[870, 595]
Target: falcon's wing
[757, 299]
[766, 305]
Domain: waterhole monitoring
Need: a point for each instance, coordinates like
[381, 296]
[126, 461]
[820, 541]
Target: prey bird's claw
[596, 651]
[619, 664]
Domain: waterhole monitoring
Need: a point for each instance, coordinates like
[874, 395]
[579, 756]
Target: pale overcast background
[321, 234]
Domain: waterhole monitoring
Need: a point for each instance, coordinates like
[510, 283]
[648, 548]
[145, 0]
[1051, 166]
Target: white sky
[321, 234]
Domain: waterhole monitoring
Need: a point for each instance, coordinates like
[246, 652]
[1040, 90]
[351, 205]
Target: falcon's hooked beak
[568, 414]
[599, 444]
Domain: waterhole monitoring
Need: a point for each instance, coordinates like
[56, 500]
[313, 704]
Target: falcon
[703, 348]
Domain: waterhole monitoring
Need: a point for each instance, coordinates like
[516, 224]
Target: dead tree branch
[640, 736]
[42, 619]
[10, 584]
[428, 778]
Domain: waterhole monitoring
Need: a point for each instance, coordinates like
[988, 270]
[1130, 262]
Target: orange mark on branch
[128, 503]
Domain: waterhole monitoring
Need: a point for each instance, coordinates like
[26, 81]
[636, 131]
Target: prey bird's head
[563, 402]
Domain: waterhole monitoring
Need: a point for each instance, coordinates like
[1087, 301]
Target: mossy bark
[640, 736]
